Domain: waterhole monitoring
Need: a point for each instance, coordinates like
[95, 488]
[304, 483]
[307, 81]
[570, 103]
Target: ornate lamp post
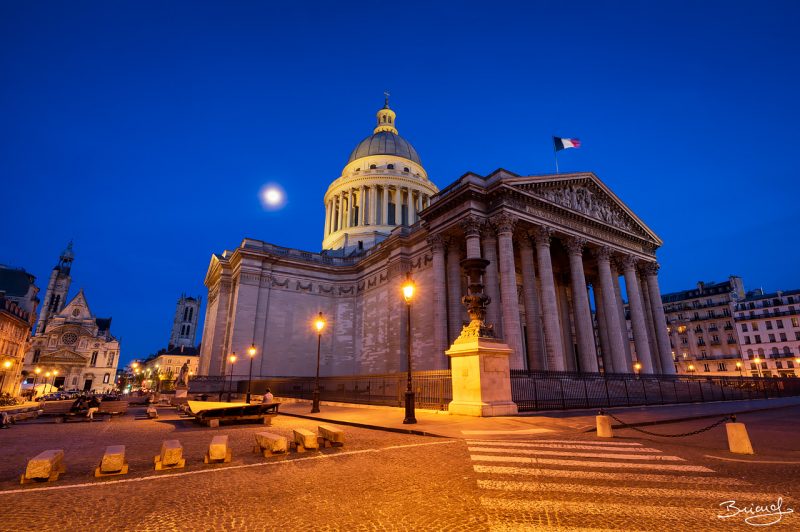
[757, 360]
[691, 369]
[408, 294]
[739, 367]
[55, 374]
[319, 324]
[37, 371]
[637, 368]
[232, 360]
[251, 351]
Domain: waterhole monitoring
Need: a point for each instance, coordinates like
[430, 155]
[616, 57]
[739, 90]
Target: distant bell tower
[184, 326]
[56, 296]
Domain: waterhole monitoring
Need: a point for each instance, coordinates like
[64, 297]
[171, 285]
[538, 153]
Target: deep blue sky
[144, 130]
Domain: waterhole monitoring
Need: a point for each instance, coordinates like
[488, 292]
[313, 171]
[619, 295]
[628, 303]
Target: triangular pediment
[586, 195]
[62, 356]
[77, 309]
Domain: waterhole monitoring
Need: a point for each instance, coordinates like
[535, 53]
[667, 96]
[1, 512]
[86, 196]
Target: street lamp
[6, 367]
[55, 374]
[757, 360]
[319, 324]
[232, 360]
[739, 367]
[252, 352]
[408, 294]
[637, 368]
[691, 369]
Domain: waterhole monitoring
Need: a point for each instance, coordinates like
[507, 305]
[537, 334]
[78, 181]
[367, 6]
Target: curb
[683, 419]
[367, 426]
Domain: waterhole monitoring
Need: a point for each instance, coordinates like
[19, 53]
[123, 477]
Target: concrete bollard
[738, 440]
[604, 427]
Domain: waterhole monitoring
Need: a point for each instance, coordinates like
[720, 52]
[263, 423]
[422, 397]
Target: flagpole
[555, 153]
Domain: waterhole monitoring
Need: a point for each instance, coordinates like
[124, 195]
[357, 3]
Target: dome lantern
[386, 117]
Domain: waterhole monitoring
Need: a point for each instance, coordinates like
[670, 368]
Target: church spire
[386, 117]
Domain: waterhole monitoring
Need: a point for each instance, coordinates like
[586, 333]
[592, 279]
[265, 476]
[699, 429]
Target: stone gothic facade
[557, 246]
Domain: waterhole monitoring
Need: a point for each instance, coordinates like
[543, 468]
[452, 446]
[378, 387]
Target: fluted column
[637, 315]
[455, 311]
[626, 341]
[616, 331]
[471, 225]
[602, 328]
[362, 211]
[533, 318]
[327, 216]
[512, 328]
[340, 211]
[648, 318]
[373, 205]
[583, 314]
[554, 346]
[662, 337]
[492, 279]
[409, 207]
[351, 210]
[440, 343]
[385, 213]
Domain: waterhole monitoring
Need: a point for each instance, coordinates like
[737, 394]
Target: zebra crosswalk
[595, 485]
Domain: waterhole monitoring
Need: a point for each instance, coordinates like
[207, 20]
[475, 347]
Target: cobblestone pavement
[388, 481]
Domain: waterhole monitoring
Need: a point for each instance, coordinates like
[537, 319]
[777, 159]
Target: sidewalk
[528, 425]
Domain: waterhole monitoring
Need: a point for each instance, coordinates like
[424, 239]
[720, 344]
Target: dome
[385, 143]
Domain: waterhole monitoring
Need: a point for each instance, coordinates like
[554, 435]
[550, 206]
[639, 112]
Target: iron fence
[432, 389]
[540, 390]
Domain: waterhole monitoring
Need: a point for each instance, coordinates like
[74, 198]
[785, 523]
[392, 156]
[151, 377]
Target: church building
[72, 349]
[557, 246]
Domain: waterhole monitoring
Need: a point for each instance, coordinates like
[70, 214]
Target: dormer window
[372, 167]
[358, 169]
[390, 166]
[406, 170]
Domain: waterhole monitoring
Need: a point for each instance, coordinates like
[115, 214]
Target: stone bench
[113, 462]
[269, 444]
[152, 413]
[330, 436]
[218, 450]
[304, 440]
[45, 466]
[171, 456]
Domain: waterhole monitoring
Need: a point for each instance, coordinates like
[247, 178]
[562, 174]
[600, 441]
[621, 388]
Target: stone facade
[71, 341]
[18, 301]
[551, 241]
[167, 365]
[184, 324]
[768, 328]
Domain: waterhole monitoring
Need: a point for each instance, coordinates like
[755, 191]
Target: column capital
[524, 239]
[437, 242]
[628, 262]
[542, 235]
[602, 253]
[575, 245]
[650, 268]
[471, 225]
[487, 231]
[504, 223]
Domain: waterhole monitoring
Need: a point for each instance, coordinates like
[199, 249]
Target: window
[744, 327]
[721, 367]
[93, 362]
[706, 368]
[747, 339]
[758, 338]
[795, 323]
[715, 338]
[789, 364]
[191, 313]
[406, 170]
[769, 325]
[779, 324]
[783, 337]
[797, 335]
[775, 352]
[110, 362]
[787, 350]
[753, 366]
[372, 167]
[36, 354]
[188, 330]
[778, 364]
[763, 365]
[755, 325]
[186, 314]
[771, 337]
[105, 378]
[703, 354]
[390, 166]
[684, 340]
[726, 311]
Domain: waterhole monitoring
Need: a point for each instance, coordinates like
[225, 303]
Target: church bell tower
[56, 296]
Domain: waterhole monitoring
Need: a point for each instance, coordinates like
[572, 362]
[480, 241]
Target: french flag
[563, 144]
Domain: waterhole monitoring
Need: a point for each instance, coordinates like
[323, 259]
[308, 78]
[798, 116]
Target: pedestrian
[268, 397]
[94, 406]
[5, 420]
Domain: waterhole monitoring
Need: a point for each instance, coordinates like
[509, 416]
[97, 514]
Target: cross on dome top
[386, 117]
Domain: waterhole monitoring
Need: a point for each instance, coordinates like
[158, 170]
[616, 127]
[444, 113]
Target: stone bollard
[604, 429]
[738, 439]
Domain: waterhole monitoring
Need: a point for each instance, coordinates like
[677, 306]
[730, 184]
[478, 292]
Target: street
[381, 480]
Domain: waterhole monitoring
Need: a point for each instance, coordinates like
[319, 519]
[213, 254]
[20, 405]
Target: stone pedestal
[481, 377]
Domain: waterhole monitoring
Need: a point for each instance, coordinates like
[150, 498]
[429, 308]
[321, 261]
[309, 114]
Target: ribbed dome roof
[385, 143]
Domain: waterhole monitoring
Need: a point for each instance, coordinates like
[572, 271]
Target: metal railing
[534, 390]
[432, 389]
